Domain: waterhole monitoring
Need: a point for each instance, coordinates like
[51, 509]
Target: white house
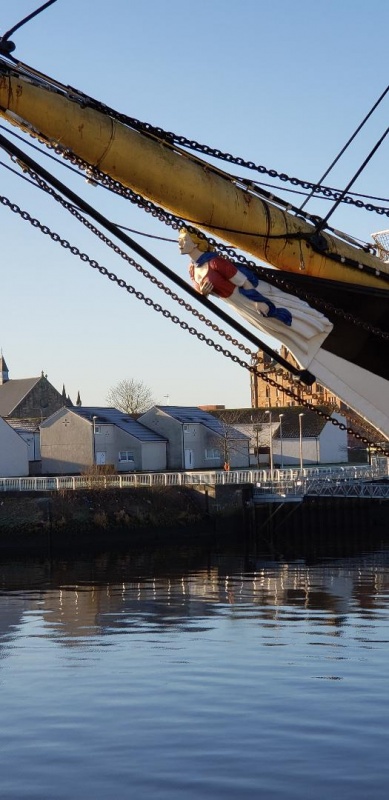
[29, 431]
[13, 452]
[290, 435]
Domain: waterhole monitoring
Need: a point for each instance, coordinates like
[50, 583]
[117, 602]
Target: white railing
[262, 478]
[356, 488]
[337, 485]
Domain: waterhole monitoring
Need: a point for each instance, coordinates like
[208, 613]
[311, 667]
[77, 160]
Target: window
[97, 429]
[212, 453]
[126, 455]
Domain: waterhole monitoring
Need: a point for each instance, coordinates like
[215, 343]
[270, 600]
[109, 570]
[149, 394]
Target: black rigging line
[122, 227]
[303, 375]
[322, 196]
[26, 19]
[345, 147]
[324, 221]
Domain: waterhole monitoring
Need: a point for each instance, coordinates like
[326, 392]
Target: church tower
[3, 370]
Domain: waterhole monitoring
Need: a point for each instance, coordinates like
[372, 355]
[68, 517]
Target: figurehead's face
[188, 241]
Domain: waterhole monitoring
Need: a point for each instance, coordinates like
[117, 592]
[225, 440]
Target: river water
[194, 675]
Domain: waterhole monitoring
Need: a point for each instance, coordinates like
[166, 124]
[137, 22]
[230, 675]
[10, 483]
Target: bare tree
[130, 396]
[226, 441]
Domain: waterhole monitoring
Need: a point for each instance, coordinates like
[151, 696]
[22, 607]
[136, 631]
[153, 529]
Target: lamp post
[257, 435]
[301, 440]
[270, 447]
[280, 416]
[94, 438]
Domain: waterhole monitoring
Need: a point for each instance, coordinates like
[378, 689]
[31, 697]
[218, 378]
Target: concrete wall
[153, 456]
[161, 423]
[66, 444]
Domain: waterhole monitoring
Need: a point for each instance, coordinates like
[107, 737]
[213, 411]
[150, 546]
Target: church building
[28, 398]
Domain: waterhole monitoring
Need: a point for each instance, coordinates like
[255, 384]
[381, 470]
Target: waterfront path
[348, 481]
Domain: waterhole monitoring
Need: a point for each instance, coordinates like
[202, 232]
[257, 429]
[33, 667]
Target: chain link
[75, 95]
[192, 144]
[155, 281]
[176, 222]
[182, 324]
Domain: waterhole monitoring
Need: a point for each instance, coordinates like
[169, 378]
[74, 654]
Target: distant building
[265, 395]
[27, 398]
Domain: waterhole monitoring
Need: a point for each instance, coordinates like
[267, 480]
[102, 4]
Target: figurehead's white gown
[308, 329]
[303, 334]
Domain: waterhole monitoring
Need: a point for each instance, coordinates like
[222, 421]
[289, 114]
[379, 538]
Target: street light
[94, 439]
[280, 416]
[270, 447]
[301, 439]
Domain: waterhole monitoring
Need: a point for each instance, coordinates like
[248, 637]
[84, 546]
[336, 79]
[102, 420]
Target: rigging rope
[358, 172]
[26, 19]
[343, 150]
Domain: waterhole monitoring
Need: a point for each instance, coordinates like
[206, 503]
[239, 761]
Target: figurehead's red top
[220, 271]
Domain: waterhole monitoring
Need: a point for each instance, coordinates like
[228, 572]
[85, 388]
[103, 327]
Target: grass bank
[101, 518]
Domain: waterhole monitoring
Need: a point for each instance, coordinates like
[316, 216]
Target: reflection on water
[194, 675]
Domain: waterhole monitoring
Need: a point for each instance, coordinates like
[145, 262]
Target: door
[189, 459]
[100, 457]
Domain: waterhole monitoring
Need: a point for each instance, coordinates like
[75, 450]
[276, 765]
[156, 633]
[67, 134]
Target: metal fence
[283, 480]
[319, 487]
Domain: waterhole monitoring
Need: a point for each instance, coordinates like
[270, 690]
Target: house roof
[114, 416]
[312, 423]
[23, 425]
[13, 392]
[193, 414]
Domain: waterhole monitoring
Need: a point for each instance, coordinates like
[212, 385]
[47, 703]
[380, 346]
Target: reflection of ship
[348, 283]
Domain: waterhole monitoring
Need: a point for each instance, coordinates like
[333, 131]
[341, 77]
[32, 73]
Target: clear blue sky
[277, 82]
